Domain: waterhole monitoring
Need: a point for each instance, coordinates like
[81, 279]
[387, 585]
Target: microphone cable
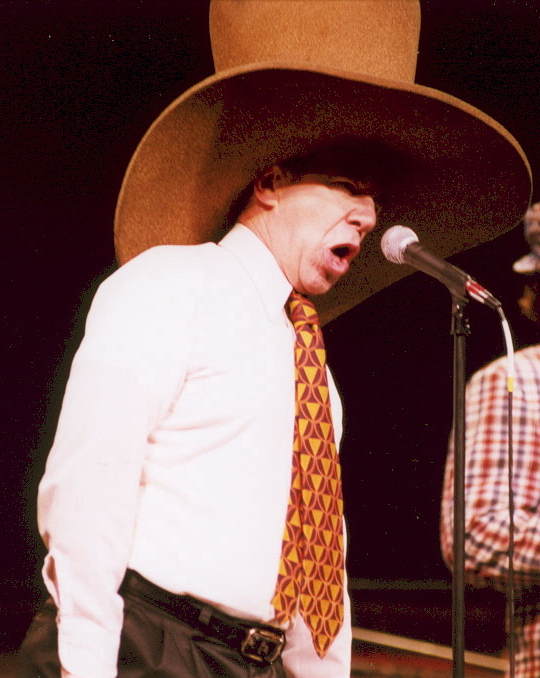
[510, 592]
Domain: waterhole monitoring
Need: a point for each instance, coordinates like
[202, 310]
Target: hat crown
[378, 38]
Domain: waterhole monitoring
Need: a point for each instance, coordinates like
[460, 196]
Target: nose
[533, 225]
[363, 215]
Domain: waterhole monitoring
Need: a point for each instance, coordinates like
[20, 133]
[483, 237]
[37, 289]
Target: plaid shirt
[486, 492]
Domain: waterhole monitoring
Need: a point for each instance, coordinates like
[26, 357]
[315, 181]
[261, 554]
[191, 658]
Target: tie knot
[301, 310]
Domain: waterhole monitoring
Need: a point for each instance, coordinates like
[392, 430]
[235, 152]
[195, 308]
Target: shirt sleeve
[486, 478]
[131, 363]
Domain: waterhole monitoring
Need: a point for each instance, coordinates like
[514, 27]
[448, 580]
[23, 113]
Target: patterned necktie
[311, 571]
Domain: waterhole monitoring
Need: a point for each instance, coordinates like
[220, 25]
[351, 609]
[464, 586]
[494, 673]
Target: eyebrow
[364, 187]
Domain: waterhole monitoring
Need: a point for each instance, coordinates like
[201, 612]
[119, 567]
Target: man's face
[320, 223]
[532, 228]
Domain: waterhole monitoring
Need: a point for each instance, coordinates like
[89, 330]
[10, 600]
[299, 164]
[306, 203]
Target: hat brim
[457, 177]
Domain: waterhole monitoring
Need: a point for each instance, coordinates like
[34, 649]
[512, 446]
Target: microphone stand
[460, 329]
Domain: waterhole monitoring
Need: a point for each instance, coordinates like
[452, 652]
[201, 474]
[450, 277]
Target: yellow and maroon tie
[311, 571]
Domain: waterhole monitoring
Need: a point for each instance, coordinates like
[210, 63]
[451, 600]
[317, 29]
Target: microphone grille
[395, 241]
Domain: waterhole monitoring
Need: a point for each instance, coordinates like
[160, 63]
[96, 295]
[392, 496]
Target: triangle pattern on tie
[311, 576]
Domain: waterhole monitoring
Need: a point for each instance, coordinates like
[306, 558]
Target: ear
[529, 302]
[265, 187]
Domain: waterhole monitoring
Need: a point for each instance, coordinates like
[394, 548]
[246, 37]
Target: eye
[345, 184]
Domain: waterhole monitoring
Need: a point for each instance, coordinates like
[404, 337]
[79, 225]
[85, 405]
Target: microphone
[400, 245]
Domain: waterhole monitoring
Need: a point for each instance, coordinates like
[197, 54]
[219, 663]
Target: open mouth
[340, 258]
[342, 251]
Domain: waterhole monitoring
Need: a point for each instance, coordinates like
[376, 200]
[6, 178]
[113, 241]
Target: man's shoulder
[526, 361]
[169, 263]
[162, 275]
[529, 352]
[162, 257]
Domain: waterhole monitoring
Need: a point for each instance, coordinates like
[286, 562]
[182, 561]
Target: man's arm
[128, 369]
[486, 477]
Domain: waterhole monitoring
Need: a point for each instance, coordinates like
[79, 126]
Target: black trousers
[153, 645]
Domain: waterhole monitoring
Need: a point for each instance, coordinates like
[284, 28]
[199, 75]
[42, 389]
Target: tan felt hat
[295, 75]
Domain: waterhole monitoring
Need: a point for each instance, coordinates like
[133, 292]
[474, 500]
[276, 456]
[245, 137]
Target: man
[171, 499]
[231, 470]
[486, 475]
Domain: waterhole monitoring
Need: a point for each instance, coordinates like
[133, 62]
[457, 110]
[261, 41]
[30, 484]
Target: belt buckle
[263, 645]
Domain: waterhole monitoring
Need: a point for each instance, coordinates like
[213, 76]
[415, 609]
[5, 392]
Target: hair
[339, 160]
[370, 164]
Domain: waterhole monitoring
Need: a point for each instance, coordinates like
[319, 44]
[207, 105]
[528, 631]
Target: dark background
[83, 80]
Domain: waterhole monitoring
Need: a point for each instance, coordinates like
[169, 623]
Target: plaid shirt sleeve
[486, 475]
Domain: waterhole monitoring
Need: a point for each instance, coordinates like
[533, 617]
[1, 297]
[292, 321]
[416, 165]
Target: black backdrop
[83, 81]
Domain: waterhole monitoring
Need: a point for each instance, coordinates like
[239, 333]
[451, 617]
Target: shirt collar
[261, 266]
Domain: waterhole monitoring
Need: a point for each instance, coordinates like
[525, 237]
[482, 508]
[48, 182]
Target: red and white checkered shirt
[486, 494]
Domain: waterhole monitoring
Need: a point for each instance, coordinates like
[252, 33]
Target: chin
[318, 288]
[317, 282]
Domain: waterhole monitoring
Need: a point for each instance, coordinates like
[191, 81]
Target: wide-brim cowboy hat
[294, 75]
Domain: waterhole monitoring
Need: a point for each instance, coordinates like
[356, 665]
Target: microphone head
[395, 241]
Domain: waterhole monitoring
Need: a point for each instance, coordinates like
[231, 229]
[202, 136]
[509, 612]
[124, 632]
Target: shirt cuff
[87, 650]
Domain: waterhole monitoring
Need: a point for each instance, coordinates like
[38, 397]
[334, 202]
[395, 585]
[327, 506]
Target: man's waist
[259, 643]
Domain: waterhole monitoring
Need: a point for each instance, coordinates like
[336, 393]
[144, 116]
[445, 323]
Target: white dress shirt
[173, 449]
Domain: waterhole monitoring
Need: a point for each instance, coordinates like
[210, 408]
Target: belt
[259, 643]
